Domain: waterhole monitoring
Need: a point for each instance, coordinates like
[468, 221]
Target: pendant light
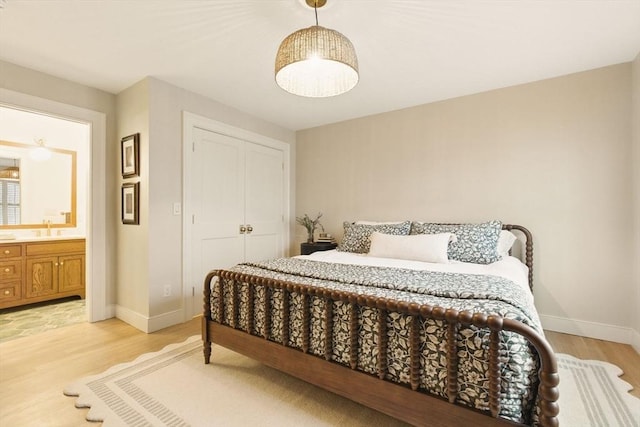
[40, 153]
[316, 62]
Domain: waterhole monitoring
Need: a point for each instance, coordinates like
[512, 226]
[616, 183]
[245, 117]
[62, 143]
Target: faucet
[48, 227]
[67, 217]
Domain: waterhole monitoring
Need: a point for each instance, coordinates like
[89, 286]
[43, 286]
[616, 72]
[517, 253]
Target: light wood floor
[35, 369]
[590, 349]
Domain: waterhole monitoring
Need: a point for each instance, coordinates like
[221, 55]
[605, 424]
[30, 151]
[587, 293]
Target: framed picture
[130, 152]
[131, 203]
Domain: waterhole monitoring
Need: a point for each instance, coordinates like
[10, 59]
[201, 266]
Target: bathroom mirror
[47, 187]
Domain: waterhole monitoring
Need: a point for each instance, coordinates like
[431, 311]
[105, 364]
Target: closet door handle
[249, 228]
[243, 229]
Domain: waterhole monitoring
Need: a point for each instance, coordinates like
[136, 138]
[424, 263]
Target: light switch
[177, 208]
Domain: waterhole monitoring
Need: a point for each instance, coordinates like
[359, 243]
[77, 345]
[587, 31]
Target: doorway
[52, 158]
[94, 124]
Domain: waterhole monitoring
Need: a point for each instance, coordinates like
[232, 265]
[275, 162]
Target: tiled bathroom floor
[19, 322]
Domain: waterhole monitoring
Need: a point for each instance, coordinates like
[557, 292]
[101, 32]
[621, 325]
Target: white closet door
[217, 198]
[264, 193]
[232, 183]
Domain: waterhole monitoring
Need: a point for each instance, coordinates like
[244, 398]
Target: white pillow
[416, 247]
[505, 242]
[378, 222]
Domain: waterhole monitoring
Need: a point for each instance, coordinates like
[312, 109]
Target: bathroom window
[9, 202]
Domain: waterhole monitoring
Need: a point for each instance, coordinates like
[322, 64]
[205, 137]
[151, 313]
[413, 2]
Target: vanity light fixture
[40, 153]
[316, 62]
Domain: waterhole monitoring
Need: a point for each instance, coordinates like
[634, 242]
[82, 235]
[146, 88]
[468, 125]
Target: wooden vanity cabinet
[10, 275]
[48, 270]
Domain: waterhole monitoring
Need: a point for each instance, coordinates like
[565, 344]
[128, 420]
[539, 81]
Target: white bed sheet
[510, 268]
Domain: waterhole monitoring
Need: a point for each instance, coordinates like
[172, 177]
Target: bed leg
[206, 342]
[206, 315]
[207, 352]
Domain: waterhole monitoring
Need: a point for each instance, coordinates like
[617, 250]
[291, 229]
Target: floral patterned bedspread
[478, 293]
[475, 293]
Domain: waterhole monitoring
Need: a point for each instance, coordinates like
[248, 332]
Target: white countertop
[26, 239]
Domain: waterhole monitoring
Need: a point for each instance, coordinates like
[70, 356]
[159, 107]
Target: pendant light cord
[315, 8]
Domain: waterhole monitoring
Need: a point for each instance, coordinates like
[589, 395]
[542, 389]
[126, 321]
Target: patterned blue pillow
[357, 237]
[476, 243]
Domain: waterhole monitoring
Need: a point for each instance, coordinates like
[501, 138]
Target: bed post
[206, 317]
[548, 390]
[528, 248]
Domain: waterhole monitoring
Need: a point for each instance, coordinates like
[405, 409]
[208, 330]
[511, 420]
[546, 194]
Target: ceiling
[410, 52]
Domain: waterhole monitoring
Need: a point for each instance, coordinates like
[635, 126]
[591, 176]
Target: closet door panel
[217, 190]
[264, 184]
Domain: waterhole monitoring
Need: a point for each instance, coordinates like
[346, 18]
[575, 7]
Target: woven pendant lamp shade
[316, 62]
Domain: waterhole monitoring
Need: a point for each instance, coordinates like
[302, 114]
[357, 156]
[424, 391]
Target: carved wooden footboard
[410, 404]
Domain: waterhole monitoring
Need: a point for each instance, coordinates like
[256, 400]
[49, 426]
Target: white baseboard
[635, 341]
[165, 320]
[133, 318]
[149, 324]
[110, 311]
[588, 329]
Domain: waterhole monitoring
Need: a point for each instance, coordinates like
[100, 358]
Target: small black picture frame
[130, 155]
[131, 203]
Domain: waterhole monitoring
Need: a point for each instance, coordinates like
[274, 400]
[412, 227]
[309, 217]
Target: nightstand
[309, 248]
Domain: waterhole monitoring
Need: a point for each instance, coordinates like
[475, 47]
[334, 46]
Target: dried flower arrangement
[310, 225]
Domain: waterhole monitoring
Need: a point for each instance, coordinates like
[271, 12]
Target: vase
[310, 237]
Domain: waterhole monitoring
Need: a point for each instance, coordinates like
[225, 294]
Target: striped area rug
[174, 387]
[591, 394]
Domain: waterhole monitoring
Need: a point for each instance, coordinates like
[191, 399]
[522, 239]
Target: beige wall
[553, 156]
[151, 253]
[132, 240]
[636, 191]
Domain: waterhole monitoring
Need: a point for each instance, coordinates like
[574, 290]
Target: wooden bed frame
[404, 403]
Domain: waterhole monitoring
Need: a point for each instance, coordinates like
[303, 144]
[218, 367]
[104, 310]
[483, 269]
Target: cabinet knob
[55, 263]
[249, 228]
[6, 270]
[61, 262]
[7, 252]
[7, 292]
[243, 229]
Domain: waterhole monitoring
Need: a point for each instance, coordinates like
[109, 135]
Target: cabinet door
[71, 272]
[42, 276]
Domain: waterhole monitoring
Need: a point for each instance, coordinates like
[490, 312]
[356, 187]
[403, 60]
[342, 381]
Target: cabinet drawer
[50, 248]
[10, 292]
[10, 270]
[10, 251]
